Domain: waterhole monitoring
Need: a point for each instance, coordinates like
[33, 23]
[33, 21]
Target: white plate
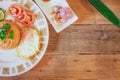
[10, 64]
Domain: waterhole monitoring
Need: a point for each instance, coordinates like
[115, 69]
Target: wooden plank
[74, 67]
[95, 39]
[89, 15]
[85, 39]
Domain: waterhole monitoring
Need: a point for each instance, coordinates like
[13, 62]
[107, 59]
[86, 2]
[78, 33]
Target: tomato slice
[24, 16]
[14, 10]
[29, 19]
[21, 17]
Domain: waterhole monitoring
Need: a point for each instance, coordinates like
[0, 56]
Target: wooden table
[87, 50]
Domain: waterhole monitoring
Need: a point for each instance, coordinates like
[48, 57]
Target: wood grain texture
[85, 39]
[86, 50]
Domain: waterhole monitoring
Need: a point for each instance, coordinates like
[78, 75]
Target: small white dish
[47, 9]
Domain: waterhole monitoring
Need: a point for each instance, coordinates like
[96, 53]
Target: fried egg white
[30, 43]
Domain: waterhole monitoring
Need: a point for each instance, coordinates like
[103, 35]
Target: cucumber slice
[2, 15]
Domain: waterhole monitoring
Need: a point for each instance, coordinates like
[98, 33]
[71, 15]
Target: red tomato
[29, 19]
[14, 10]
[21, 17]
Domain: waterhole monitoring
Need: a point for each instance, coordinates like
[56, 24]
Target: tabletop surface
[87, 50]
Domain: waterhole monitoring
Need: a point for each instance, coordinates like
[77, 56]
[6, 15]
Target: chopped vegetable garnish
[11, 34]
[2, 35]
[6, 26]
[3, 32]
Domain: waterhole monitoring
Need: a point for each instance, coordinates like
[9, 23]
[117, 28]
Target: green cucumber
[106, 12]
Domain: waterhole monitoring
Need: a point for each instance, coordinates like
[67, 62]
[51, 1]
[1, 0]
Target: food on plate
[30, 43]
[9, 34]
[26, 39]
[2, 14]
[61, 14]
[22, 14]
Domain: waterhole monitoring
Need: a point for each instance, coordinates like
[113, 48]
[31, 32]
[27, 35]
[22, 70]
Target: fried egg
[30, 44]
